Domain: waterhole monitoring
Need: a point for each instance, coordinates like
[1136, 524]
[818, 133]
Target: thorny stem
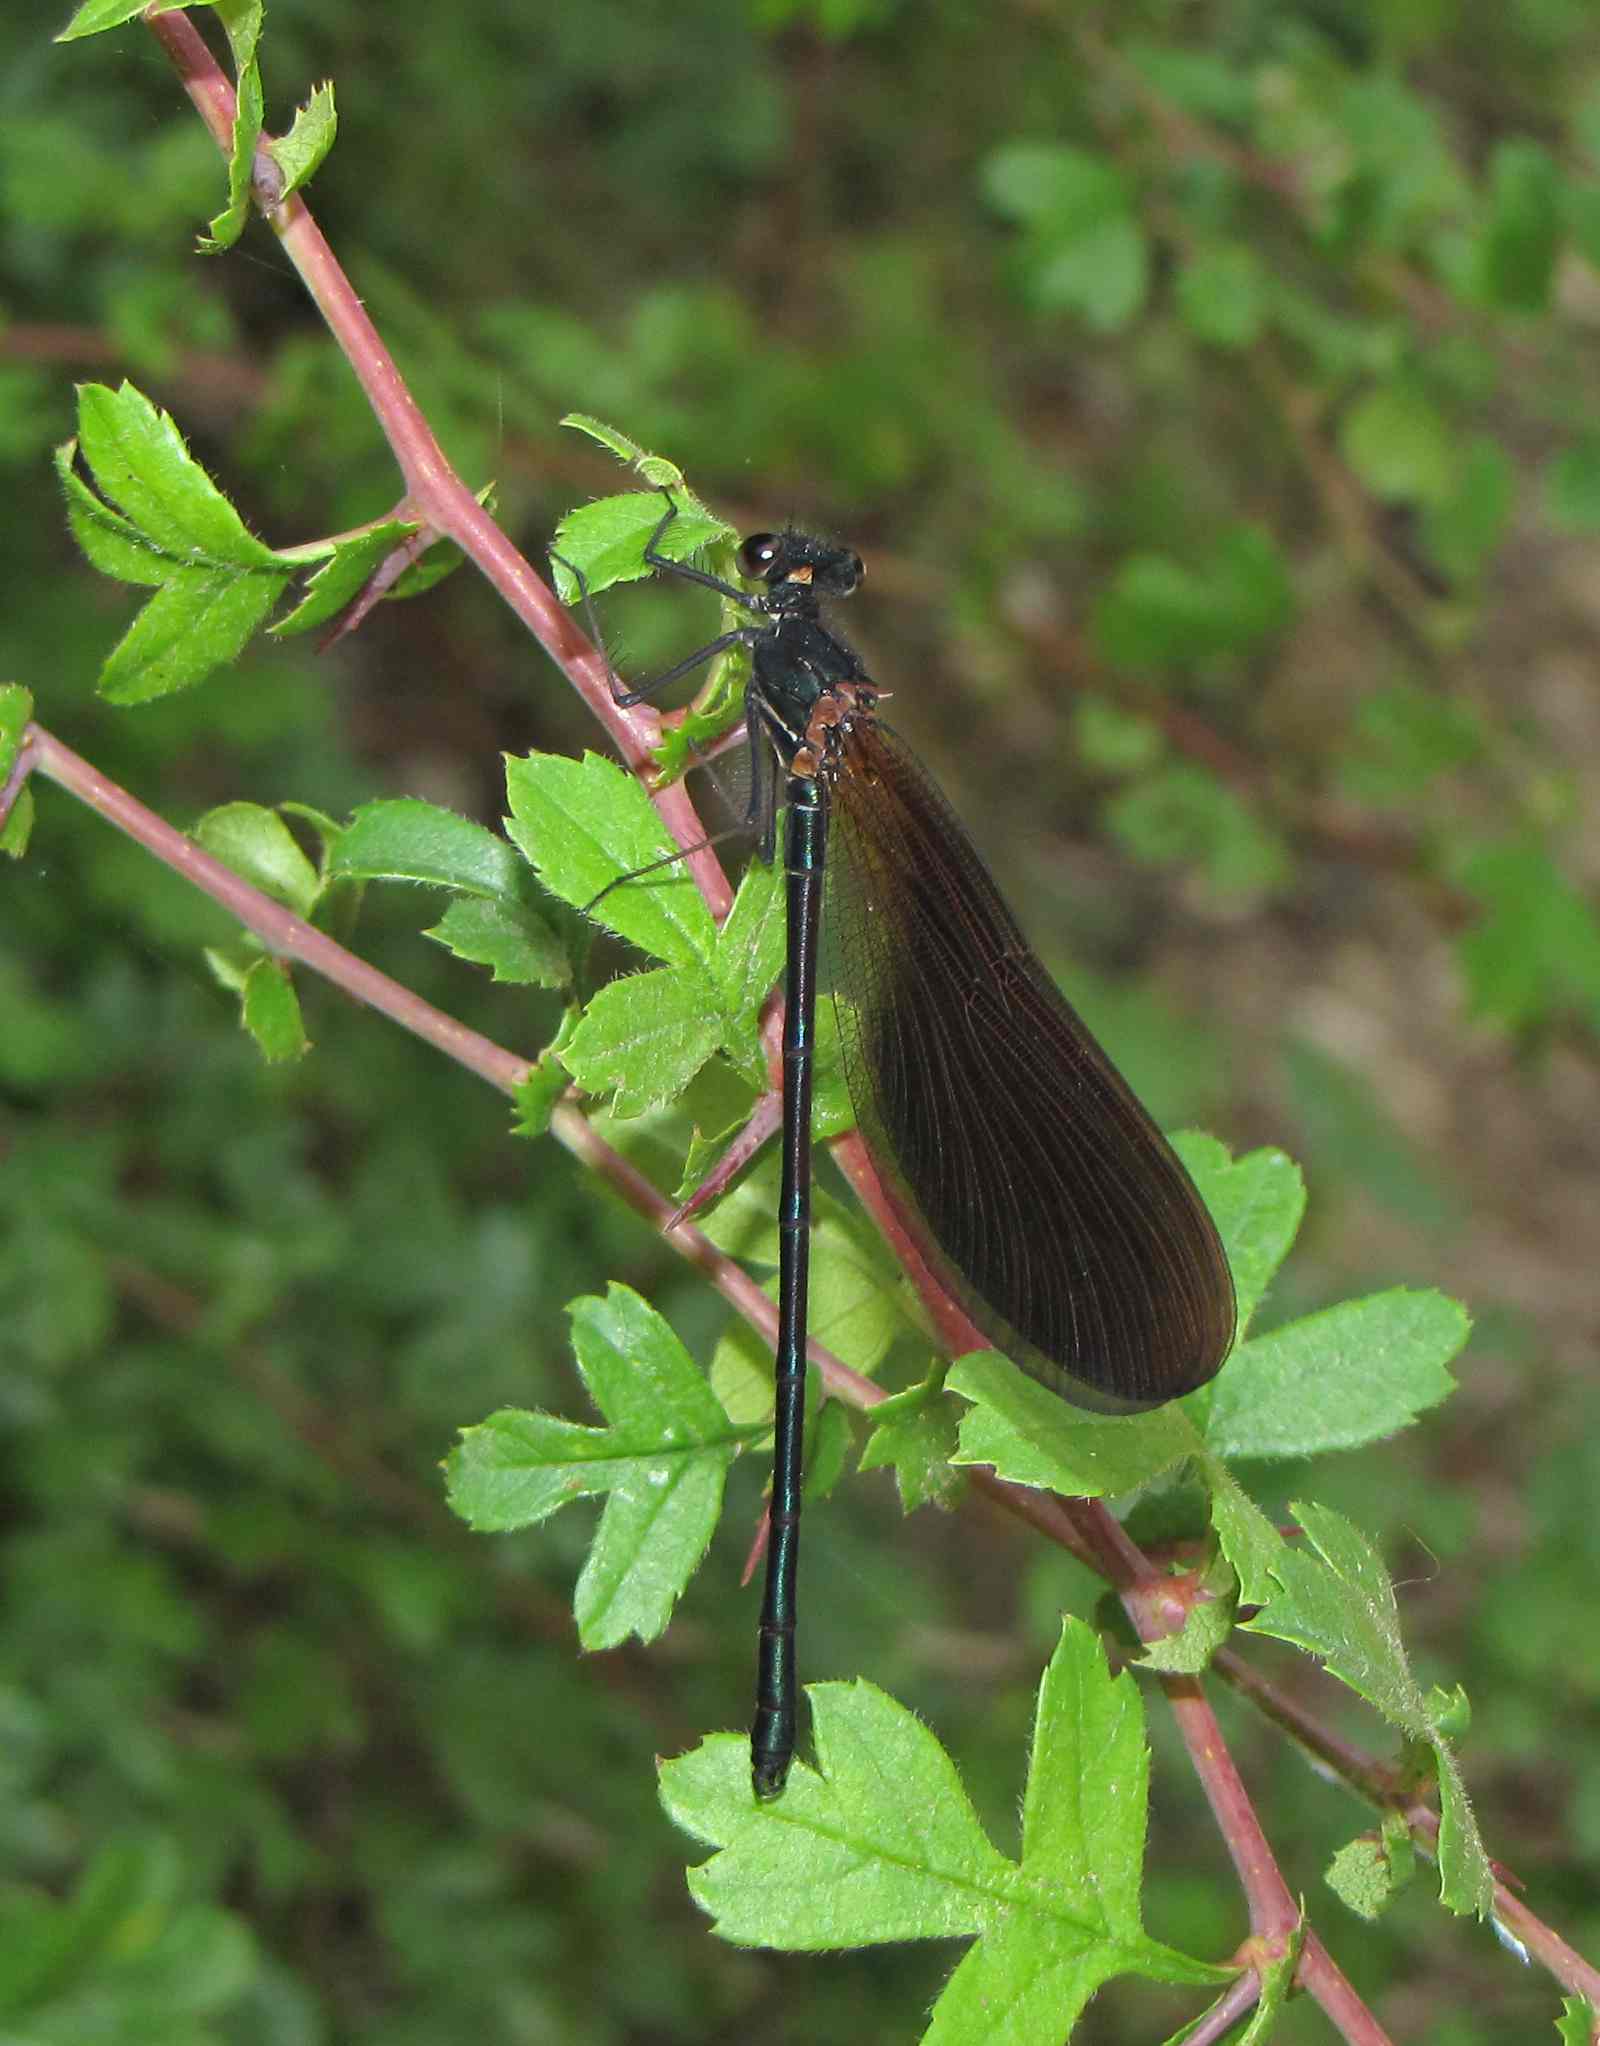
[1273, 1912]
[441, 501]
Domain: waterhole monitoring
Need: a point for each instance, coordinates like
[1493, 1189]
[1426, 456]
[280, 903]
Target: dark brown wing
[1042, 1193]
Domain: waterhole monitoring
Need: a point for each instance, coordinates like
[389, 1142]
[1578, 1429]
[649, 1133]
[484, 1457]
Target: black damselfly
[1039, 1191]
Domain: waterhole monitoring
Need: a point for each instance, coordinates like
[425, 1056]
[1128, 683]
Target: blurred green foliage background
[1212, 390]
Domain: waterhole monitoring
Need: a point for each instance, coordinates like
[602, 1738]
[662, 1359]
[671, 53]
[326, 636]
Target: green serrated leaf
[242, 21]
[94, 17]
[1369, 1872]
[741, 1375]
[584, 824]
[110, 543]
[299, 154]
[1336, 1602]
[543, 1085]
[604, 541]
[1579, 2022]
[879, 1842]
[402, 838]
[343, 575]
[1358, 1876]
[1034, 1438]
[140, 463]
[16, 710]
[200, 620]
[828, 1444]
[1352, 1374]
[1257, 1203]
[655, 469]
[661, 1462]
[257, 845]
[1466, 1877]
[626, 451]
[856, 1291]
[751, 943]
[270, 1010]
[1246, 1537]
[508, 938]
[645, 1036]
[914, 1433]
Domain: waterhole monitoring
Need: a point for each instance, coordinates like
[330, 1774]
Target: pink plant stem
[1325, 1982]
[1274, 1914]
[1380, 1783]
[434, 492]
[287, 934]
[1543, 1942]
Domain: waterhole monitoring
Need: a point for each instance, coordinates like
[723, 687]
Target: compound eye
[758, 553]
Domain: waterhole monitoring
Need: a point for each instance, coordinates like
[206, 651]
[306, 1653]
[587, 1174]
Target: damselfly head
[790, 557]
